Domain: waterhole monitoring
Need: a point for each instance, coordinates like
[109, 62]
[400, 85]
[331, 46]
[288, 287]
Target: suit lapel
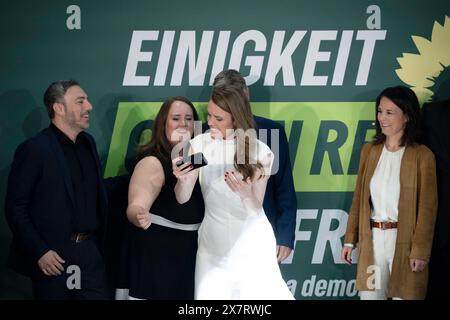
[444, 134]
[59, 155]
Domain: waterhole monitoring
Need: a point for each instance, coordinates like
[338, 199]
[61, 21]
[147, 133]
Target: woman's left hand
[417, 265]
[242, 188]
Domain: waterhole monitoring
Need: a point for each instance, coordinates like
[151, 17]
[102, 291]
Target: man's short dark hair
[55, 93]
[230, 77]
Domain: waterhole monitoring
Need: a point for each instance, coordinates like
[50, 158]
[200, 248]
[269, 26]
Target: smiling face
[391, 118]
[180, 122]
[219, 121]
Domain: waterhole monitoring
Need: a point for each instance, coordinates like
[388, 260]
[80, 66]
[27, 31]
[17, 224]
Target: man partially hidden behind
[55, 202]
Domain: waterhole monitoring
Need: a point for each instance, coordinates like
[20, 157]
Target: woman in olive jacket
[394, 204]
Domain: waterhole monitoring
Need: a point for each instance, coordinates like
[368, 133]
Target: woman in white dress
[236, 256]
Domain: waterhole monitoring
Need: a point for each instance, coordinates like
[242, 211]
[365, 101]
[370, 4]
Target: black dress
[161, 260]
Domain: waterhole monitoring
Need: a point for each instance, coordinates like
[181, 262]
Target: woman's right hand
[346, 254]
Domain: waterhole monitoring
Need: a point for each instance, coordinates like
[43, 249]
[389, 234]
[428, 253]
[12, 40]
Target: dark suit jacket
[436, 118]
[39, 200]
[280, 202]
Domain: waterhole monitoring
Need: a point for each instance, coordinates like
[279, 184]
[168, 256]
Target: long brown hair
[159, 145]
[235, 102]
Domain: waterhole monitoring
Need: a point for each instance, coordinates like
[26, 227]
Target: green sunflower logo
[420, 71]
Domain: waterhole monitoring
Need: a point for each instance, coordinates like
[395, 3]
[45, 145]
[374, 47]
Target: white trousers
[383, 242]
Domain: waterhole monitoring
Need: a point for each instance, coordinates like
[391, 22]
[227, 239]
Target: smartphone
[197, 160]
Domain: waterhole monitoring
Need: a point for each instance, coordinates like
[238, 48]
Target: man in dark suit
[280, 202]
[436, 118]
[55, 202]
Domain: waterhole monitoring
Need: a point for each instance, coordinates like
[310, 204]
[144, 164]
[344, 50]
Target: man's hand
[283, 252]
[184, 172]
[50, 263]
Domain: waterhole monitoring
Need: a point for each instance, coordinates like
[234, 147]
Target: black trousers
[83, 277]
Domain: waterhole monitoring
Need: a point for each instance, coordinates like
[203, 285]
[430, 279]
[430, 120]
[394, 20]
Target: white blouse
[385, 186]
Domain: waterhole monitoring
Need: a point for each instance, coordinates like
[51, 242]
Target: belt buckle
[77, 239]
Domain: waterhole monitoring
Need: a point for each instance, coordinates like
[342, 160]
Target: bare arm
[145, 186]
[422, 240]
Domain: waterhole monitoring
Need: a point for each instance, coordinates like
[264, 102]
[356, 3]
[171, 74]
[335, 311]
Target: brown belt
[78, 237]
[383, 225]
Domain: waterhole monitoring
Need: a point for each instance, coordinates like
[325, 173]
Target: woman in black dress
[162, 242]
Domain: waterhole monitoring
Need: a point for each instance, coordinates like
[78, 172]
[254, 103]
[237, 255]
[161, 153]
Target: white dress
[236, 257]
